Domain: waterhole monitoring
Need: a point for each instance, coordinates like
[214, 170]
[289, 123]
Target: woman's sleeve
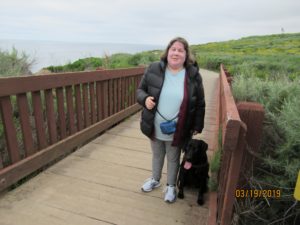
[200, 105]
[142, 91]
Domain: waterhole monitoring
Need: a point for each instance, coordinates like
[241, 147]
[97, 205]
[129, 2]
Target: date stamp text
[257, 193]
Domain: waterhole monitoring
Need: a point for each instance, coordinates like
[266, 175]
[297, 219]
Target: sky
[146, 21]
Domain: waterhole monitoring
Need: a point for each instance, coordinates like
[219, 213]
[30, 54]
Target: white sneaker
[170, 194]
[150, 184]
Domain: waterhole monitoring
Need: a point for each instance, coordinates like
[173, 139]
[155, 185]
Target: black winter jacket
[192, 110]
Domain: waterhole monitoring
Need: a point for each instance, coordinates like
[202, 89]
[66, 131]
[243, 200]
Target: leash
[165, 118]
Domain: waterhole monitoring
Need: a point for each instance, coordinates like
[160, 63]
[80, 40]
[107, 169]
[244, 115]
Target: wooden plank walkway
[100, 183]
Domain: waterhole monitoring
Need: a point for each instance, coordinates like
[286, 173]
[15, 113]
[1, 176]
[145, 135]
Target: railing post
[252, 114]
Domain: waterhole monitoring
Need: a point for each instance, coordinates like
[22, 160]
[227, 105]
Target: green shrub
[14, 64]
[144, 58]
[119, 60]
[90, 63]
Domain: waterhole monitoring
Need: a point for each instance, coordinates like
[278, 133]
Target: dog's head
[195, 152]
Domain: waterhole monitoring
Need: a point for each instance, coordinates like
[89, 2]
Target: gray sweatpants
[159, 150]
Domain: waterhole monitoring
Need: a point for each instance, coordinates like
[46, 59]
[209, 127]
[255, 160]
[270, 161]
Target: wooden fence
[233, 141]
[45, 117]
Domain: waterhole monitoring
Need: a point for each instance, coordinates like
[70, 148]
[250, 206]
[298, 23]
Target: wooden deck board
[99, 184]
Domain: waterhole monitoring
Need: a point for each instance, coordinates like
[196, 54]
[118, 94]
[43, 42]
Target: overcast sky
[146, 21]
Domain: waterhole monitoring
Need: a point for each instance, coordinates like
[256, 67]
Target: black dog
[194, 169]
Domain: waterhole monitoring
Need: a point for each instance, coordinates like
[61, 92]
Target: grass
[214, 164]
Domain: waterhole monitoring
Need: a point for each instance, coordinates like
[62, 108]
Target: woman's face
[176, 55]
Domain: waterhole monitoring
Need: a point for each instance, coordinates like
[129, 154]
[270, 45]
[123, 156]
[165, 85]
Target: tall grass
[215, 164]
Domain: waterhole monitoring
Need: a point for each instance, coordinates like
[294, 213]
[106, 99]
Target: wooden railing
[233, 141]
[45, 117]
[237, 137]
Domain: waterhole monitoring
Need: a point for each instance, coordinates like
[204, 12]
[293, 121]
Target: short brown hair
[189, 58]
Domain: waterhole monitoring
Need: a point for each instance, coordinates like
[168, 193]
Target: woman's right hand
[150, 102]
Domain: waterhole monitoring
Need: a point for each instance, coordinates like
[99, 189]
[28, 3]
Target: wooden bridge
[94, 116]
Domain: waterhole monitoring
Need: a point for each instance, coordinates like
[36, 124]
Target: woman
[170, 90]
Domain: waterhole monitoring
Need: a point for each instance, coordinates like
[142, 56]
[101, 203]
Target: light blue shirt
[170, 100]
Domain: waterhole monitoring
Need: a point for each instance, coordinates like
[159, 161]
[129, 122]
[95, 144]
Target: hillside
[255, 45]
[262, 55]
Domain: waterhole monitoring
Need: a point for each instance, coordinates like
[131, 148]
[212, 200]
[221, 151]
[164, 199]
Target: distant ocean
[47, 53]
